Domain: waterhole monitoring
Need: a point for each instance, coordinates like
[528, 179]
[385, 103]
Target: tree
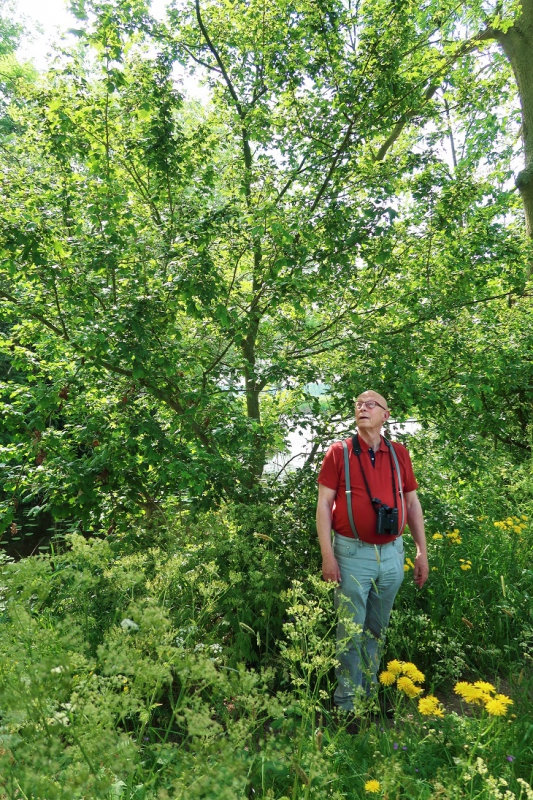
[175, 276]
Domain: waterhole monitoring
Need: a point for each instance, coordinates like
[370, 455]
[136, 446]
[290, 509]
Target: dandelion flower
[412, 672]
[407, 686]
[454, 537]
[373, 787]
[406, 567]
[387, 678]
[408, 561]
[437, 536]
[430, 707]
[504, 699]
[496, 708]
[471, 693]
[484, 686]
[394, 666]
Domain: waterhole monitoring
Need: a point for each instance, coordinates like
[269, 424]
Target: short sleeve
[329, 474]
[410, 483]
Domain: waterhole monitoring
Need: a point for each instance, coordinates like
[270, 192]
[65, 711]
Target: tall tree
[174, 276]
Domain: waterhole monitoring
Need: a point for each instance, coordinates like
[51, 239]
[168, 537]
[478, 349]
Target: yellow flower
[394, 666]
[407, 686]
[408, 561]
[484, 686]
[524, 518]
[434, 569]
[430, 707]
[517, 528]
[471, 693]
[454, 537]
[437, 536]
[373, 787]
[406, 567]
[387, 678]
[412, 672]
[496, 708]
[504, 699]
[466, 565]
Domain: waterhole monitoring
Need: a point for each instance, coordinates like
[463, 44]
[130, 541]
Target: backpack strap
[349, 488]
[400, 488]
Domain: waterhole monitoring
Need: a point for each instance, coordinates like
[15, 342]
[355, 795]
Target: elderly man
[367, 514]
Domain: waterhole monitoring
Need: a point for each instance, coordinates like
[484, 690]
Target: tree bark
[517, 44]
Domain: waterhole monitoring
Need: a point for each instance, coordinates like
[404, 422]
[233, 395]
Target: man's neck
[371, 438]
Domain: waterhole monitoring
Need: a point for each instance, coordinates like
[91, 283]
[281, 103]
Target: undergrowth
[202, 666]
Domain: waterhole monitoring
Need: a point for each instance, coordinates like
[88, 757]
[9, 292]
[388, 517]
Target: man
[368, 565]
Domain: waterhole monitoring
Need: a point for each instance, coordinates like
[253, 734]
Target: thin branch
[289, 183]
[59, 314]
[284, 467]
[199, 60]
[398, 128]
[333, 166]
[219, 61]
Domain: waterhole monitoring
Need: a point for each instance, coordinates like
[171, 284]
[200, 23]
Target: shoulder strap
[400, 487]
[349, 488]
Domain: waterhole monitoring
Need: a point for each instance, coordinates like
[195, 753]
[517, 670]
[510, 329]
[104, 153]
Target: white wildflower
[129, 625]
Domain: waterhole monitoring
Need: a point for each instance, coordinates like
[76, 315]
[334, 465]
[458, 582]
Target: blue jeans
[370, 578]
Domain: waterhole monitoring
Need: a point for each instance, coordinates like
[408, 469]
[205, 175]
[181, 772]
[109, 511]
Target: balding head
[370, 420]
[370, 394]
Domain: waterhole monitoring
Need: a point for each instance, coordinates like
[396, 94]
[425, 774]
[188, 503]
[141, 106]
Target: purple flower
[510, 758]
[395, 745]
[404, 747]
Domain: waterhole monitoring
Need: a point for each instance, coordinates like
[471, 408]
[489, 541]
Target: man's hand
[421, 570]
[330, 570]
[326, 499]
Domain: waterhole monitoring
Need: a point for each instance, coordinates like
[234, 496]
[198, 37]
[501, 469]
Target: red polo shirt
[379, 481]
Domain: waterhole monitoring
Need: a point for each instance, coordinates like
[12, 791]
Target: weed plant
[197, 661]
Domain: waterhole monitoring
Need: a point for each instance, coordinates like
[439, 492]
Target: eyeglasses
[370, 404]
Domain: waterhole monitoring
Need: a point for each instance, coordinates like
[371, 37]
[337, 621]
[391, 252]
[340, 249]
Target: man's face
[371, 418]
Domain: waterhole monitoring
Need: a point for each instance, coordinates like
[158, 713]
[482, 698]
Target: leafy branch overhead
[341, 212]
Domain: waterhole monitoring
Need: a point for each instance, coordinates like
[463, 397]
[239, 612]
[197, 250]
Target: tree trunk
[517, 44]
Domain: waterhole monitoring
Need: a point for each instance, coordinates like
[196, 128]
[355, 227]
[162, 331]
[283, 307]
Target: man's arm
[415, 520]
[324, 509]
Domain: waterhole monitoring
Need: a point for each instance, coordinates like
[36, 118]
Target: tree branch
[463, 49]
[155, 391]
[214, 51]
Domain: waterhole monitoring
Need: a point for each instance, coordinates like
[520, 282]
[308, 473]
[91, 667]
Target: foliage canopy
[176, 275]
